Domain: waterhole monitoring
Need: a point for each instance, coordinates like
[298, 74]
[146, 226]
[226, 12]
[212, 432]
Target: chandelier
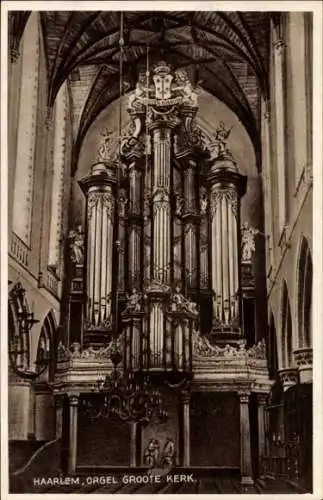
[125, 395]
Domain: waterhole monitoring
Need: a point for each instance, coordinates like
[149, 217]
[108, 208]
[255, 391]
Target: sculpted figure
[218, 145]
[185, 88]
[134, 301]
[178, 300]
[140, 91]
[77, 245]
[248, 241]
[104, 151]
[152, 453]
[169, 453]
[203, 203]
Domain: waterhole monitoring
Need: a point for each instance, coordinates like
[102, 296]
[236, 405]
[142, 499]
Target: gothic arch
[272, 348]
[304, 294]
[286, 329]
[45, 358]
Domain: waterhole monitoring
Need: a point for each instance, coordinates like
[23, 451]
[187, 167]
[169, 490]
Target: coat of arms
[163, 81]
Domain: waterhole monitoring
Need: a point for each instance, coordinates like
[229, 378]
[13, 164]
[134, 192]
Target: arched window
[45, 350]
[24, 173]
[287, 345]
[272, 349]
[304, 306]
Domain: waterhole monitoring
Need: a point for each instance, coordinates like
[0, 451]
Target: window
[304, 306]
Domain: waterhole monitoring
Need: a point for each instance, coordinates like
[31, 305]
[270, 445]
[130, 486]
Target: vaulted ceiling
[226, 52]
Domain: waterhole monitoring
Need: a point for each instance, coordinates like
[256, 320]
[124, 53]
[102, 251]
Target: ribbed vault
[226, 52]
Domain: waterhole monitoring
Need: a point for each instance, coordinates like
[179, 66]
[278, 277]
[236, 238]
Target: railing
[19, 250]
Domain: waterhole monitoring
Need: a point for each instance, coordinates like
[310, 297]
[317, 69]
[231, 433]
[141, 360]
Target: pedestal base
[246, 481]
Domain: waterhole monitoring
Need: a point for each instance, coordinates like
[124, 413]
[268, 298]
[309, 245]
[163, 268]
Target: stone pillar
[227, 187]
[245, 448]
[44, 413]
[267, 180]
[279, 55]
[98, 188]
[18, 409]
[133, 444]
[262, 398]
[58, 416]
[73, 409]
[186, 429]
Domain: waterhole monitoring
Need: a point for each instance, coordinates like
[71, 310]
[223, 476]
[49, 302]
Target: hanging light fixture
[122, 392]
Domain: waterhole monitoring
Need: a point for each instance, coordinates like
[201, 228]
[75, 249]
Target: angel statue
[140, 92]
[248, 234]
[185, 87]
[218, 145]
[77, 245]
[134, 301]
[104, 151]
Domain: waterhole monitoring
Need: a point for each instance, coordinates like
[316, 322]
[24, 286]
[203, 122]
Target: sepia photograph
[160, 261]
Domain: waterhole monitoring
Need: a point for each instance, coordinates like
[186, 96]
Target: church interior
[160, 249]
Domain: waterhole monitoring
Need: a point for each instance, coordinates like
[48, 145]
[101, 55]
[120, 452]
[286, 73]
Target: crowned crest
[163, 80]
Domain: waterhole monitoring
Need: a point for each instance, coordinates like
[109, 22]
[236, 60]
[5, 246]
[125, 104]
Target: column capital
[186, 396]
[73, 398]
[262, 399]
[244, 396]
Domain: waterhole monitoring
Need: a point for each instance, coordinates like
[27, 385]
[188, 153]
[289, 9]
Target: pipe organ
[173, 210]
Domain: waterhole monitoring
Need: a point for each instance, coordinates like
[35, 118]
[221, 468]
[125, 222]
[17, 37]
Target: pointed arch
[45, 358]
[304, 294]
[287, 334]
[272, 348]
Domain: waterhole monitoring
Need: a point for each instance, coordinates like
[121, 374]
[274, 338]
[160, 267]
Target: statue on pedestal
[77, 245]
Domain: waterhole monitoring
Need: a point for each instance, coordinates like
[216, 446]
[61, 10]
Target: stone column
[98, 188]
[262, 398]
[267, 180]
[133, 444]
[73, 409]
[245, 448]
[279, 55]
[186, 429]
[227, 187]
[58, 416]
